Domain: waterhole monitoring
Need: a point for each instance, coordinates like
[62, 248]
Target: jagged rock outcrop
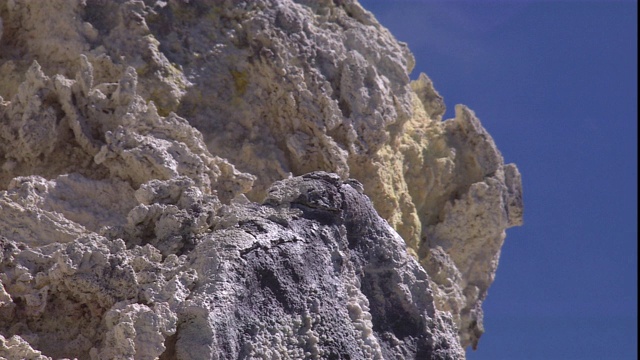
[136, 136]
[312, 273]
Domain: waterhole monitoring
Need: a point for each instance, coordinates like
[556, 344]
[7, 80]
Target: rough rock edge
[413, 163]
[312, 273]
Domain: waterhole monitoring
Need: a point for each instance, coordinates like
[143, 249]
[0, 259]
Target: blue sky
[555, 84]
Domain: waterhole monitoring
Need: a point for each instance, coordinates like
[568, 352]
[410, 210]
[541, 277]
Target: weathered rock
[91, 298]
[130, 129]
[313, 273]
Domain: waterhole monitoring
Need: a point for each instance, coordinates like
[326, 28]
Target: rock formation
[191, 179]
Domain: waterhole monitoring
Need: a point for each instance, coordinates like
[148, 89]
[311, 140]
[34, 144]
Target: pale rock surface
[131, 130]
[15, 348]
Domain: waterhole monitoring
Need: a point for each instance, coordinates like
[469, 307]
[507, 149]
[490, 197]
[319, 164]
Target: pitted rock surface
[132, 133]
[314, 275]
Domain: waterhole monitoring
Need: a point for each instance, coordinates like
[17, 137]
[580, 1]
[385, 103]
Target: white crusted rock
[104, 131]
[26, 218]
[136, 331]
[76, 299]
[134, 136]
[16, 348]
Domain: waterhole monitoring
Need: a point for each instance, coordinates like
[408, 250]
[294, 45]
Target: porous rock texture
[154, 202]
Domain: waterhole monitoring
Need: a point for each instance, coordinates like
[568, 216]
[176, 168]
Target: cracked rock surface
[258, 179]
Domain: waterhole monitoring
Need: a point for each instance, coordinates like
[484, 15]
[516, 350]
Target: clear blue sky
[555, 84]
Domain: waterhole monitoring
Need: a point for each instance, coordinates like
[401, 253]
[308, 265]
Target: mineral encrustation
[192, 179]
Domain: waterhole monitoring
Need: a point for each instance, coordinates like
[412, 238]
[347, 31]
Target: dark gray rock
[312, 273]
